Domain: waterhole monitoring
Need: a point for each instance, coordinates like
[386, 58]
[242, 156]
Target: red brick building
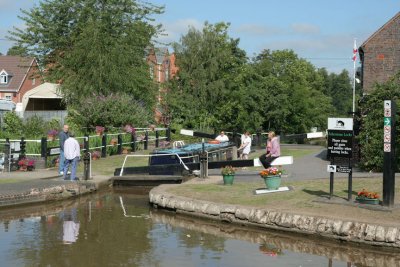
[17, 76]
[380, 54]
[162, 68]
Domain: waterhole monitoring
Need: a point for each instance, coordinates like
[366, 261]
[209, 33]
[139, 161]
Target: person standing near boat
[72, 153]
[245, 146]
[222, 137]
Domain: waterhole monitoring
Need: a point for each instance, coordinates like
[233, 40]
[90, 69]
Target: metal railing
[154, 155]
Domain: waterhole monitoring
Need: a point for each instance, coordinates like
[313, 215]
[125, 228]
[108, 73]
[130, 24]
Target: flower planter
[364, 200]
[30, 168]
[51, 137]
[228, 179]
[272, 182]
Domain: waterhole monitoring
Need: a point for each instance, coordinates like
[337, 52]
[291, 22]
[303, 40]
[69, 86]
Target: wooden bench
[283, 160]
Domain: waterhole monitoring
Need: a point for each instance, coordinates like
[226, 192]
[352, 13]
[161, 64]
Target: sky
[320, 31]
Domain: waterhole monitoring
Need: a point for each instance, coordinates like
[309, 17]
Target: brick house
[162, 68]
[18, 75]
[380, 54]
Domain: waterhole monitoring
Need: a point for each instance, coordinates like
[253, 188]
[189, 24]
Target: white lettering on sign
[386, 138]
[386, 147]
[388, 112]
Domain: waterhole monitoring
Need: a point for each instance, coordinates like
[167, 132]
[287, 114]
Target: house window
[8, 96]
[3, 77]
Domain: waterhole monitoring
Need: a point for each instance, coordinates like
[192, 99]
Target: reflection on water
[70, 226]
[119, 228]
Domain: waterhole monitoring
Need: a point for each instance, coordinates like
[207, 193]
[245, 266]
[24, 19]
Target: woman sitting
[273, 150]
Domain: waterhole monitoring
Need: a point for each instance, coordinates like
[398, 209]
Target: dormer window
[3, 77]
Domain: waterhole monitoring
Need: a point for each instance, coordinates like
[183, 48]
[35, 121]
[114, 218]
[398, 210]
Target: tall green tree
[17, 50]
[208, 61]
[92, 46]
[292, 90]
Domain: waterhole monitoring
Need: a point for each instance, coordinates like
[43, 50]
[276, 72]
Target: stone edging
[351, 231]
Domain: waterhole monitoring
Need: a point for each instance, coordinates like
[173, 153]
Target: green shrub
[371, 121]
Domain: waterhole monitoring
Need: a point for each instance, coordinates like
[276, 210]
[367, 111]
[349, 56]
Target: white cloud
[175, 29]
[305, 28]
[257, 29]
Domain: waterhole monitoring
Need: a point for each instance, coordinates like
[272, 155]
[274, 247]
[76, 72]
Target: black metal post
[119, 149]
[43, 150]
[86, 143]
[133, 142]
[331, 176]
[104, 146]
[389, 155]
[258, 138]
[350, 182]
[86, 165]
[157, 136]
[7, 155]
[168, 134]
[146, 140]
[22, 145]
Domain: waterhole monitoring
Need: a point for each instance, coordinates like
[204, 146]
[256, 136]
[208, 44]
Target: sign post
[340, 145]
[389, 155]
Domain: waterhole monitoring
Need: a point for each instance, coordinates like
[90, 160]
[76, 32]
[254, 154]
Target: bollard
[203, 165]
[86, 166]
[43, 150]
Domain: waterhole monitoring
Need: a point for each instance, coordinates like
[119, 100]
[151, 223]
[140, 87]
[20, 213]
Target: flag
[355, 51]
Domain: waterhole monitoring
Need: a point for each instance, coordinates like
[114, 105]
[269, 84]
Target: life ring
[214, 142]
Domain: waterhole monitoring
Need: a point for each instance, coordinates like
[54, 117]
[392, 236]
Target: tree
[92, 46]
[17, 50]
[293, 98]
[208, 61]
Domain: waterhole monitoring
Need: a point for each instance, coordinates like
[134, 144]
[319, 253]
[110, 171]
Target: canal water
[119, 228]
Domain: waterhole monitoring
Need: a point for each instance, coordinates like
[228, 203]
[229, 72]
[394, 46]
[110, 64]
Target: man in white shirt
[72, 153]
[222, 137]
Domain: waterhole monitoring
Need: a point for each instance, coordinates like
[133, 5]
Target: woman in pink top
[273, 150]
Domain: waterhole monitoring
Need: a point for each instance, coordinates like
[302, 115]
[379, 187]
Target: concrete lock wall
[357, 232]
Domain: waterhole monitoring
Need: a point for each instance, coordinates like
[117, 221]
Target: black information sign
[340, 143]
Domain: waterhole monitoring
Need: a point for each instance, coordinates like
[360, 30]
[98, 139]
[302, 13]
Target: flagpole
[354, 76]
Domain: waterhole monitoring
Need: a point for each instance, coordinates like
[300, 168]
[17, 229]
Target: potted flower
[366, 197]
[125, 149]
[272, 177]
[51, 134]
[26, 164]
[113, 141]
[228, 174]
[99, 130]
[96, 155]
[129, 129]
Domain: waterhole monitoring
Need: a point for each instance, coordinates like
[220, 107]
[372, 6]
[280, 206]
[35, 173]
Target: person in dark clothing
[62, 137]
